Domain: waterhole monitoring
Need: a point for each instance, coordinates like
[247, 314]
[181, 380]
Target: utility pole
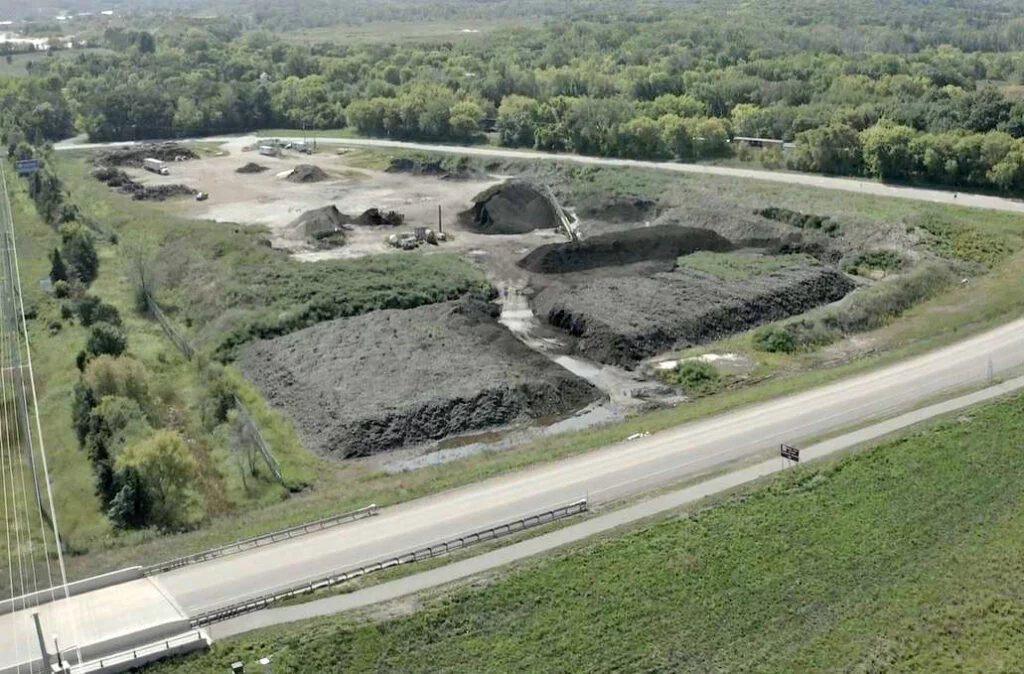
[42, 641]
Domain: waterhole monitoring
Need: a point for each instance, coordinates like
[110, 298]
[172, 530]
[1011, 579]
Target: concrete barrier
[123, 647]
[139, 657]
[75, 588]
[124, 643]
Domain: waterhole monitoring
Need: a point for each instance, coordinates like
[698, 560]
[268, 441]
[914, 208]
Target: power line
[16, 282]
[5, 440]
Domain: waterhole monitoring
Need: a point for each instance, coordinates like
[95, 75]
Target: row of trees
[890, 151]
[613, 127]
[632, 86]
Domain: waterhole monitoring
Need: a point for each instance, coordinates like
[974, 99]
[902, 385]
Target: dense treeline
[911, 91]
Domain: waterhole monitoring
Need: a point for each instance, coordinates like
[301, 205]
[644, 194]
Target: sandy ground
[268, 199]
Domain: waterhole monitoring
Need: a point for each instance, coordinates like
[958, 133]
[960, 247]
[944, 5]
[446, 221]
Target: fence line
[179, 341]
[427, 552]
[257, 437]
[265, 539]
[243, 412]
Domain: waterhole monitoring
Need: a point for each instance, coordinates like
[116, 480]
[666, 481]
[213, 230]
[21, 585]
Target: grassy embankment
[903, 558]
[224, 255]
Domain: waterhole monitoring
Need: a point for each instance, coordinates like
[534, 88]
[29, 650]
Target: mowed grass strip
[906, 557]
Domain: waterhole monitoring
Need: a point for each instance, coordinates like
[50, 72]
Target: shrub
[79, 253]
[111, 424]
[58, 271]
[91, 310]
[106, 339]
[885, 260]
[130, 508]
[123, 376]
[165, 471]
[218, 395]
[61, 289]
[775, 339]
[696, 376]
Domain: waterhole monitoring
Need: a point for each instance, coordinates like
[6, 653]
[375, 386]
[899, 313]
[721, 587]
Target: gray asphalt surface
[577, 532]
[807, 179]
[625, 469]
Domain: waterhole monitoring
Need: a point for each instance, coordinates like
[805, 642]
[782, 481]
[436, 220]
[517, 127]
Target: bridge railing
[442, 547]
[265, 539]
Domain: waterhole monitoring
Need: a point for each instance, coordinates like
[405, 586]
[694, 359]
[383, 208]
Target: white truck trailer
[156, 166]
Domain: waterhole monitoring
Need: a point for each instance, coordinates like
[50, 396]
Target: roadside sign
[27, 167]
[791, 453]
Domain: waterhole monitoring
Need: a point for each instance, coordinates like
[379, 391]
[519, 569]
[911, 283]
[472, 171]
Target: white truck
[156, 166]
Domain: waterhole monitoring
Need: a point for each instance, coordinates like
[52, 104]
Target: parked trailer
[156, 166]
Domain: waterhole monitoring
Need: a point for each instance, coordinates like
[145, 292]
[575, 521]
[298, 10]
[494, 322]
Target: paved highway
[806, 179]
[621, 470]
[671, 501]
[617, 471]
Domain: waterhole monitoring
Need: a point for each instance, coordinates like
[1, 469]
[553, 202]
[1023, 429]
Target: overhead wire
[38, 421]
[12, 424]
[17, 590]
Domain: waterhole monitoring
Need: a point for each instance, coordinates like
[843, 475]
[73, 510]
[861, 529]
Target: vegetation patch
[740, 266]
[865, 310]
[959, 242]
[695, 376]
[874, 261]
[800, 220]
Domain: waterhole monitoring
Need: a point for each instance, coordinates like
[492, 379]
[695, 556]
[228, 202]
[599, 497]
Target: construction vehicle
[156, 166]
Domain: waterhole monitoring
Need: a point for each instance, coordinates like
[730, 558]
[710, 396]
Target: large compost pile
[386, 379]
[511, 208]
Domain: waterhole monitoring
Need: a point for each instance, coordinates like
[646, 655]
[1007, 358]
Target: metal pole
[42, 641]
[439, 229]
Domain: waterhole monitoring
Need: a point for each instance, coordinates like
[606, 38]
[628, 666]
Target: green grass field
[905, 558]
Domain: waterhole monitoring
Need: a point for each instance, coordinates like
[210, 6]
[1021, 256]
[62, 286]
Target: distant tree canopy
[908, 90]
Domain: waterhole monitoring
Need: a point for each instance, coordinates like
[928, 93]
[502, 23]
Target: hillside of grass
[904, 558]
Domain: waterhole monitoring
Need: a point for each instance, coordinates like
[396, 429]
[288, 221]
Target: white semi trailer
[156, 166]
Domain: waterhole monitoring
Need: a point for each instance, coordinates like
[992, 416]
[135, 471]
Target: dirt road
[807, 179]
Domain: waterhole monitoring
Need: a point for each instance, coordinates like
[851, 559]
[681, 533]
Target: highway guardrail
[436, 549]
[265, 539]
